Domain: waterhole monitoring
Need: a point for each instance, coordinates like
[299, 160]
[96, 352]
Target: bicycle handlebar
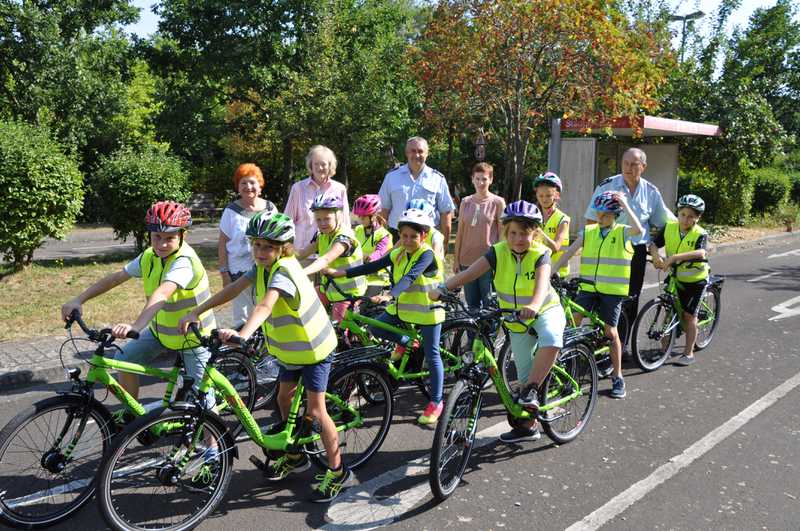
[94, 335]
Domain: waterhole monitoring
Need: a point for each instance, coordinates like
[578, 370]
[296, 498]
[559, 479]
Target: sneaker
[330, 485]
[529, 397]
[618, 387]
[520, 435]
[431, 413]
[604, 369]
[685, 360]
[203, 475]
[285, 465]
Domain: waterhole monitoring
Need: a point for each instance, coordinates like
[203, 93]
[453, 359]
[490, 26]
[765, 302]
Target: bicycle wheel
[456, 339]
[653, 335]
[365, 388]
[240, 372]
[710, 308]
[454, 437]
[266, 381]
[565, 422]
[169, 483]
[508, 367]
[41, 481]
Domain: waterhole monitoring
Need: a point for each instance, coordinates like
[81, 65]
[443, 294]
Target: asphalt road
[713, 445]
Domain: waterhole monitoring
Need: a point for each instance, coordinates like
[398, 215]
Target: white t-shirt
[234, 225]
[180, 272]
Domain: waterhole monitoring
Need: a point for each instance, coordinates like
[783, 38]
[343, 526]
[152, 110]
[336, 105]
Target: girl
[374, 238]
[415, 270]
[299, 335]
[556, 223]
[337, 247]
[520, 268]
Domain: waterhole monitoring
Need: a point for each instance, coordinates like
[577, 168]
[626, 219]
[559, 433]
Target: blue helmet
[521, 210]
[607, 202]
[548, 178]
[421, 204]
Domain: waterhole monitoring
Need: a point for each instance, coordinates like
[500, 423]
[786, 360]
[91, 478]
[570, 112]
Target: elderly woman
[235, 258]
[321, 164]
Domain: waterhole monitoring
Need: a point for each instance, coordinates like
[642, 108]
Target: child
[556, 223]
[415, 270]
[434, 238]
[520, 268]
[374, 238]
[337, 247]
[299, 335]
[606, 261]
[685, 242]
[175, 282]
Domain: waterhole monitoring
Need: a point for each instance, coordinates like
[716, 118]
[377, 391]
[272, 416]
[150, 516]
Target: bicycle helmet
[521, 210]
[548, 178]
[421, 204]
[366, 205]
[416, 218]
[167, 216]
[607, 202]
[271, 226]
[692, 201]
[326, 202]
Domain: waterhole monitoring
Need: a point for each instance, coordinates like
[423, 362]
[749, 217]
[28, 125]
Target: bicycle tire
[81, 476]
[357, 384]
[238, 368]
[455, 338]
[650, 352]
[577, 360]
[716, 307]
[463, 403]
[135, 469]
[508, 367]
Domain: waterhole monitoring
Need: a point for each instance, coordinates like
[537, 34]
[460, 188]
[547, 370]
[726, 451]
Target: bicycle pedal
[259, 464]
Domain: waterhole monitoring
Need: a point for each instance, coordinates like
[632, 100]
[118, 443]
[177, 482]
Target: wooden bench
[202, 204]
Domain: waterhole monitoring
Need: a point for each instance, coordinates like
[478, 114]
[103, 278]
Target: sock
[338, 472]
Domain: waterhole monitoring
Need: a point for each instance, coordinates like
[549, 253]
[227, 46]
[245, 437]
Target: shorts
[690, 294]
[315, 377]
[608, 307]
[550, 331]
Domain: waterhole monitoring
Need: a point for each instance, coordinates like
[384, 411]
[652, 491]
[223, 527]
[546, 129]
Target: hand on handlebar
[333, 273]
[435, 294]
[186, 320]
[229, 335]
[68, 307]
[123, 330]
[378, 299]
[526, 313]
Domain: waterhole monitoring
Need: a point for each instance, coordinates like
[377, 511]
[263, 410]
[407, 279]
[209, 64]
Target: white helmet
[414, 216]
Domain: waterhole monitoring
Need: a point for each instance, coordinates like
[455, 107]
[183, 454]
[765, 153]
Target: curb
[762, 241]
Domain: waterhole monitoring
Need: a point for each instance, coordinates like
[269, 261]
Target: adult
[233, 249]
[321, 165]
[646, 203]
[416, 180]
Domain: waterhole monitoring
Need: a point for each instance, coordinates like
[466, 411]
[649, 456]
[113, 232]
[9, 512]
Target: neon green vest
[368, 244]
[414, 304]
[515, 280]
[689, 271]
[352, 286]
[606, 261]
[296, 336]
[551, 229]
[182, 301]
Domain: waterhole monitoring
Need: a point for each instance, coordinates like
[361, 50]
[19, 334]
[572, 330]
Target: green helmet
[271, 226]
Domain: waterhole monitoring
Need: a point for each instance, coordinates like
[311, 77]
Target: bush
[794, 193]
[771, 189]
[702, 184]
[42, 190]
[127, 183]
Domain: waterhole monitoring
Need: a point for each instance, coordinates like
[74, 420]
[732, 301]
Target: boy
[685, 242]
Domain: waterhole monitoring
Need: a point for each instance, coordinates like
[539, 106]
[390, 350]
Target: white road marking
[358, 508]
[639, 490]
[785, 309]
[762, 277]
[795, 252]
[106, 246]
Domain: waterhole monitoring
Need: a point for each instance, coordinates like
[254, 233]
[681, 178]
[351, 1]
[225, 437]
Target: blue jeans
[477, 291]
[431, 335]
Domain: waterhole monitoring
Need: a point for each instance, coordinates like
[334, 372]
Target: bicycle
[659, 324]
[176, 469]
[567, 397]
[51, 450]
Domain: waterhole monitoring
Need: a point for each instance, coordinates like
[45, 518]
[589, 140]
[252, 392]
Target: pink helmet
[366, 205]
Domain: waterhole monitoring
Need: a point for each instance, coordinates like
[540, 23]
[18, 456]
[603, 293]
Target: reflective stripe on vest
[165, 323]
[413, 305]
[689, 271]
[551, 229]
[515, 280]
[368, 245]
[296, 336]
[606, 261]
[355, 286]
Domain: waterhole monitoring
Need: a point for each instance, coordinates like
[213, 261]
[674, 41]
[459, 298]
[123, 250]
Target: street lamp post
[684, 19]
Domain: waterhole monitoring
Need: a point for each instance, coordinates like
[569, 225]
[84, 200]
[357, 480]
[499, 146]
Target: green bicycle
[567, 397]
[51, 450]
[183, 484]
[658, 324]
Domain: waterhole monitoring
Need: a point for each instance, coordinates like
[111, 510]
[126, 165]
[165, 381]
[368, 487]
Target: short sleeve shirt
[180, 272]
[280, 281]
[399, 188]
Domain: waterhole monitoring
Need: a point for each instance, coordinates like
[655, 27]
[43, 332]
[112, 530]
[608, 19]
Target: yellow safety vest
[688, 271]
[355, 286]
[551, 229]
[368, 244]
[414, 304]
[296, 336]
[606, 261]
[515, 280]
[182, 301]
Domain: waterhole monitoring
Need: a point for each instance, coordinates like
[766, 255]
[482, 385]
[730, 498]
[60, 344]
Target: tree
[520, 63]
